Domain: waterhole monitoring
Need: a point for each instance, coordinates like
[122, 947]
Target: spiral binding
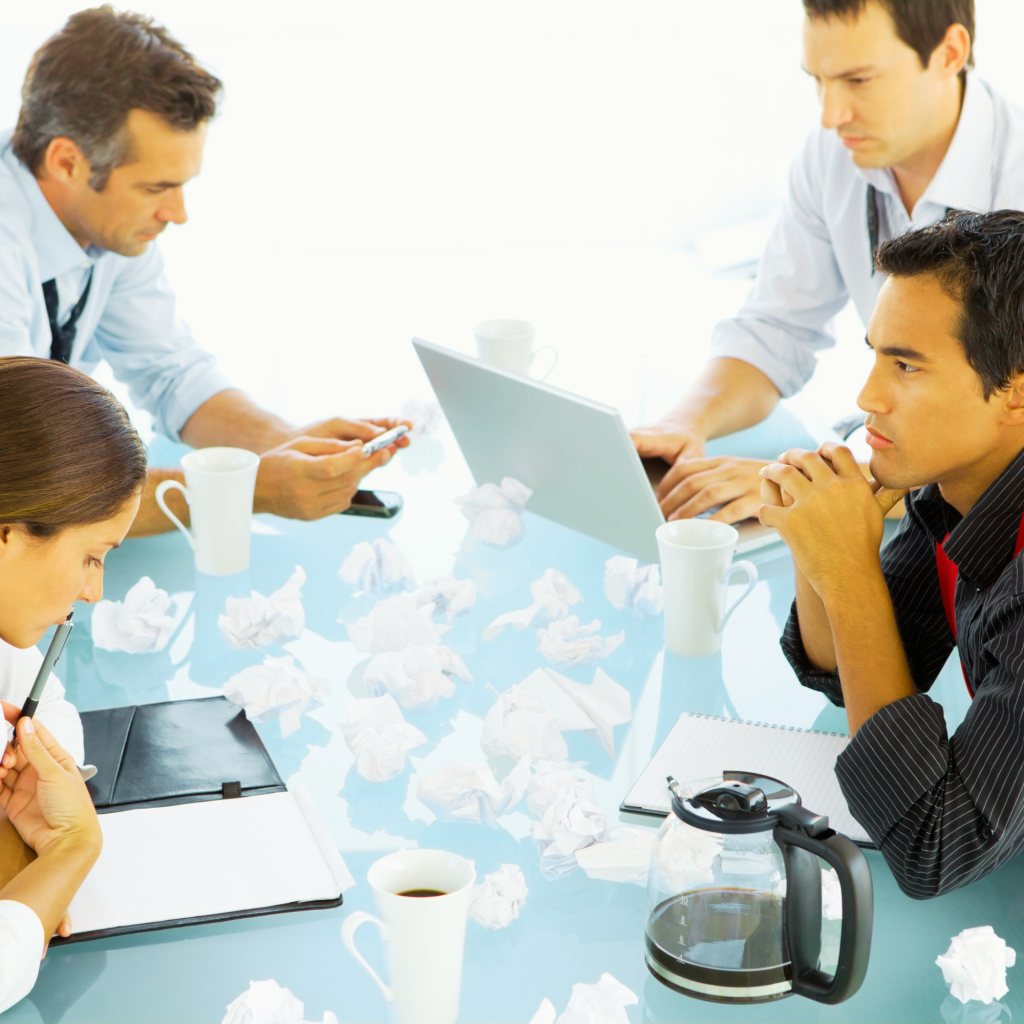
[767, 725]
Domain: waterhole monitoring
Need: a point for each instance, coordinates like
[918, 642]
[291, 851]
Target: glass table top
[571, 930]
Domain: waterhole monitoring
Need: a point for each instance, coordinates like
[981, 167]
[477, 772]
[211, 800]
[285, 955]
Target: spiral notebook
[700, 746]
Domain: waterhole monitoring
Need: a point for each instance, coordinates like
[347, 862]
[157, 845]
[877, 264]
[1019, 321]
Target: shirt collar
[964, 178]
[56, 249]
[981, 543]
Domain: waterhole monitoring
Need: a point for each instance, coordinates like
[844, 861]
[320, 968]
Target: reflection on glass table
[572, 928]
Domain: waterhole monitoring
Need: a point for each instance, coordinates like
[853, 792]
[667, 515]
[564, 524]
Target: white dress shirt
[21, 948]
[129, 318]
[818, 256]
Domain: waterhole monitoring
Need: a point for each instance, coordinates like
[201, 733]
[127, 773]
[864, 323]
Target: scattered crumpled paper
[603, 1003]
[553, 595]
[265, 1002]
[417, 676]
[466, 792]
[495, 511]
[139, 624]
[496, 903]
[376, 565]
[379, 736]
[570, 818]
[623, 856]
[277, 688]
[252, 622]
[450, 596]
[686, 857]
[529, 717]
[394, 623]
[975, 965]
[567, 644]
[628, 586]
[425, 417]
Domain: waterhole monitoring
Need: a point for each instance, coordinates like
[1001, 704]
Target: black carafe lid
[736, 802]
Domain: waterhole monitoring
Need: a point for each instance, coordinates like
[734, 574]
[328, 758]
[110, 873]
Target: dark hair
[69, 455]
[978, 259]
[921, 24]
[84, 80]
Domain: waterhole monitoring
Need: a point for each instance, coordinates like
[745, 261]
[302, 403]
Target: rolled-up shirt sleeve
[151, 349]
[21, 948]
[786, 318]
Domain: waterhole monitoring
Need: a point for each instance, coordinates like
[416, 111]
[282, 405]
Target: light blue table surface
[569, 931]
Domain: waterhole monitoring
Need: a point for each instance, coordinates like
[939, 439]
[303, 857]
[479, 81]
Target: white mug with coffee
[423, 898]
[508, 344]
[696, 566]
[219, 488]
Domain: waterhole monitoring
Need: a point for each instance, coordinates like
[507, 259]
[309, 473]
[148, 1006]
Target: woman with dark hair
[72, 470]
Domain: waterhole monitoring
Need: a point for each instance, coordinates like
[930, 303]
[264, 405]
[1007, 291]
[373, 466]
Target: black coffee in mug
[423, 892]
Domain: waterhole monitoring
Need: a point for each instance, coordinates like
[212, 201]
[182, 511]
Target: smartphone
[383, 440]
[378, 504]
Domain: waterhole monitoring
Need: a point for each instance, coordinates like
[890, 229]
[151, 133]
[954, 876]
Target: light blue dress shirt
[819, 257]
[129, 318]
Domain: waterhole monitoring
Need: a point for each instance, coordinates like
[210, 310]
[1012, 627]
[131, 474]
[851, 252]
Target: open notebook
[189, 863]
[700, 746]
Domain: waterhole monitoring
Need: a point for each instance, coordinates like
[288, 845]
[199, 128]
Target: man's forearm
[815, 628]
[15, 854]
[233, 419]
[729, 395]
[872, 664]
[150, 518]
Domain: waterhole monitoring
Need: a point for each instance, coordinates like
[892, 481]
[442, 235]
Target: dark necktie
[63, 337]
[874, 216]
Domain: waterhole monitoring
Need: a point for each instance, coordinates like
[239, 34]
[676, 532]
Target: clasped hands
[827, 512]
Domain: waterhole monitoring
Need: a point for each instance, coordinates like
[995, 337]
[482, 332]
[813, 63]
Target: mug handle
[161, 490]
[750, 569]
[554, 362]
[348, 933]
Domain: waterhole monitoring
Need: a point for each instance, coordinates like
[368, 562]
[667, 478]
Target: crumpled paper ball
[417, 676]
[277, 688]
[627, 585]
[568, 644]
[570, 818]
[461, 791]
[624, 855]
[376, 565]
[553, 595]
[425, 417]
[518, 724]
[379, 736]
[266, 1002]
[395, 623]
[975, 965]
[249, 623]
[496, 903]
[449, 596]
[494, 510]
[139, 624]
[603, 1003]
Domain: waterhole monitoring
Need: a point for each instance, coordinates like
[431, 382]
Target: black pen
[56, 649]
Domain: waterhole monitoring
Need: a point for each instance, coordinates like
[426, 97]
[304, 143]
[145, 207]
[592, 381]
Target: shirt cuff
[813, 678]
[21, 948]
[897, 755]
[784, 361]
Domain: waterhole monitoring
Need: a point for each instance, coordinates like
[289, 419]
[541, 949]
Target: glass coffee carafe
[734, 895]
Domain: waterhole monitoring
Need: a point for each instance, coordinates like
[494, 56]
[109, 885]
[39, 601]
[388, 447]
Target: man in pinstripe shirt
[945, 409]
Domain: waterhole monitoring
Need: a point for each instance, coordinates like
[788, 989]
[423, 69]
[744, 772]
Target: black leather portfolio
[176, 752]
[179, 752]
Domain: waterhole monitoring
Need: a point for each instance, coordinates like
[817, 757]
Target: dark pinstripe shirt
[945, 810]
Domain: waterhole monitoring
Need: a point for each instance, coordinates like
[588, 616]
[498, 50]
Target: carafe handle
[802, 897]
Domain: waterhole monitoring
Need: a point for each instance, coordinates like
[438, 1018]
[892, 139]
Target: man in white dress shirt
[112, 126]
[907, 133]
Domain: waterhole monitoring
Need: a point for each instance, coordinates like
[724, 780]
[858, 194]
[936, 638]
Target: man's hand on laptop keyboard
[693, 486]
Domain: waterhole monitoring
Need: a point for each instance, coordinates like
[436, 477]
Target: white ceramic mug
[219, 487]
[508, 344]
[696, 566]
[424, 934]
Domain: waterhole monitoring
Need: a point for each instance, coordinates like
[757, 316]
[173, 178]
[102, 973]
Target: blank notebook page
[194, 860]
[700, 746]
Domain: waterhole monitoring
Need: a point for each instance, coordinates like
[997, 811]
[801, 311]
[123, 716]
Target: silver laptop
[575, 454]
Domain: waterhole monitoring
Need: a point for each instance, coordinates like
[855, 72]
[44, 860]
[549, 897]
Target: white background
[386, 169]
